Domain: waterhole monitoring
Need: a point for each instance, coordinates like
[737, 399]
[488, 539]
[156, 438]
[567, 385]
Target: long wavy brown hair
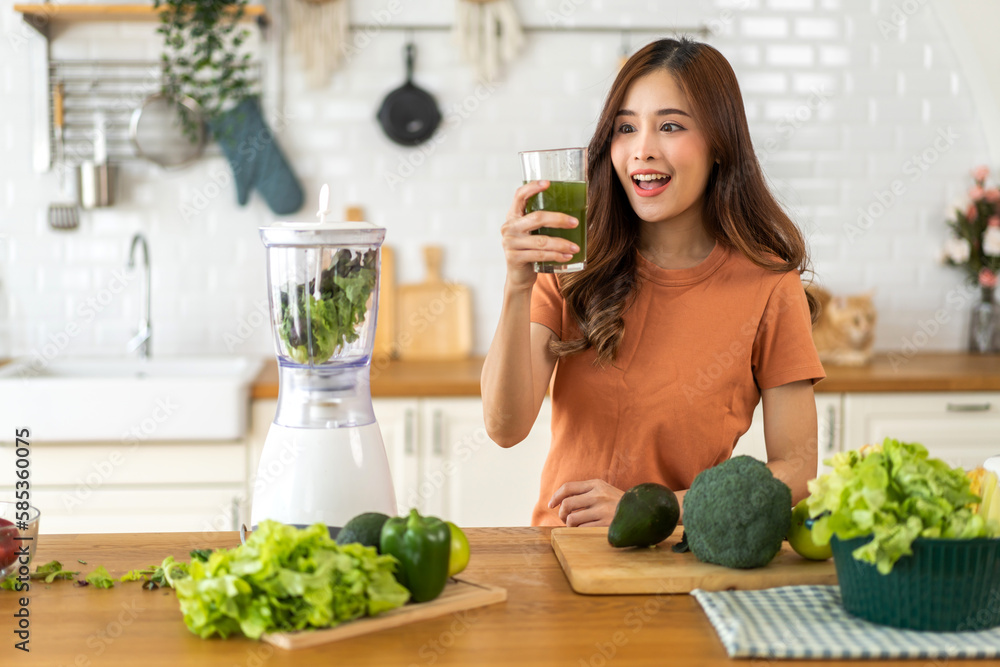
[740, 211]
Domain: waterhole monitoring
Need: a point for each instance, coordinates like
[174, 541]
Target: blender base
[327, 476]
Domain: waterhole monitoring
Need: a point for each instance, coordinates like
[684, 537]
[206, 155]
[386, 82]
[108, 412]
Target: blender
[323, 459]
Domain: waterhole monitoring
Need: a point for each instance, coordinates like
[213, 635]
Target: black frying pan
[409, 115]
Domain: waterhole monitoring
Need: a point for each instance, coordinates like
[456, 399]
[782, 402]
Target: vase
[984, 332]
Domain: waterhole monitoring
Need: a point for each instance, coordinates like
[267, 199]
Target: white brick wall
[880, 104]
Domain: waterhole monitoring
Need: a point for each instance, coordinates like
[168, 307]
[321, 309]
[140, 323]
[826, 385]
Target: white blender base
[329, 476]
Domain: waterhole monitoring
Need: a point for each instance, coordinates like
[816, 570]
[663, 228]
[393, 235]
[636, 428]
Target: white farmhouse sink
[127, 400]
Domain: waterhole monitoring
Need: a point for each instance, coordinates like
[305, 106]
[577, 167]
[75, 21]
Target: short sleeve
[783, 349]
[547, 303]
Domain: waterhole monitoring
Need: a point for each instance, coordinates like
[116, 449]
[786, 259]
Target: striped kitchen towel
[810, 622]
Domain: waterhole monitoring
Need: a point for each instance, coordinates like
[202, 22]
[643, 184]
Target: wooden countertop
[399, 378]
[931, 371]
[543, 621]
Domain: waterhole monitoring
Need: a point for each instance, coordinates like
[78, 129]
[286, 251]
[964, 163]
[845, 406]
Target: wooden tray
[595, 567]
[458, 595]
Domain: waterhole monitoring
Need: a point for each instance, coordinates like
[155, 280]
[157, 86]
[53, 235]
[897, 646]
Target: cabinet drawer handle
[968, 407]
[408, 416]
[438, 445]
[236, 513]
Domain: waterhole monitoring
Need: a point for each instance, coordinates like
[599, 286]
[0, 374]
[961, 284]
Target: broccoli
[736, 514]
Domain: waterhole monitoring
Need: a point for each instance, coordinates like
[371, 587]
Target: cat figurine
[845, 331]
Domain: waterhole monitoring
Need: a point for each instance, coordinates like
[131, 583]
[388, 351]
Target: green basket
[945, 586]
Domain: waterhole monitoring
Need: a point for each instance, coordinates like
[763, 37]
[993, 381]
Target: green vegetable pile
[313, 328]
[285, 578]
[897, 494]
[737, 513]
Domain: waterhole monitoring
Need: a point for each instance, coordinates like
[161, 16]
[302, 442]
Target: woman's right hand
[522, 248]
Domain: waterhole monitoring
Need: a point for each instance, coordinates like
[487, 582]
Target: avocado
[365, 529]
[646, 515]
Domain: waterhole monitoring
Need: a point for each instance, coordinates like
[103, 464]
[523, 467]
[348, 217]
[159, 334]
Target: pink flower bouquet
[975, 241]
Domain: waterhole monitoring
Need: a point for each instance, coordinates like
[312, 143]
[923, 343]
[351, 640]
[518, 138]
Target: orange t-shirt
[699, 346]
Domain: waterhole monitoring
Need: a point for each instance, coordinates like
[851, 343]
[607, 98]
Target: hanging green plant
[201, 57]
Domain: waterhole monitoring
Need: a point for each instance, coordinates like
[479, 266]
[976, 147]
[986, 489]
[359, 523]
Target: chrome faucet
[141, 340]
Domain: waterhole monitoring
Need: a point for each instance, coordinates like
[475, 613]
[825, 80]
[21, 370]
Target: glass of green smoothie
[566, 171]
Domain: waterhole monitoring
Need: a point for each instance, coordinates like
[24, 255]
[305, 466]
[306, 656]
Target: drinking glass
[566, 171]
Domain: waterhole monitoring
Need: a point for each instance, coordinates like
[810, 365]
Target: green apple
[800, 536]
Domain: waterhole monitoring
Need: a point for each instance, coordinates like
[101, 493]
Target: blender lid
[321, 233]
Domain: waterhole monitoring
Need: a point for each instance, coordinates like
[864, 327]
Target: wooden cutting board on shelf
[434, 317]
[385, 329]
[593, 566]
[458, 595]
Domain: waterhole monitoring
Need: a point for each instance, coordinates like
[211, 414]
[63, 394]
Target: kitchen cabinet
[109, 487]
[962, 428]
[469, 479]
[444, 464]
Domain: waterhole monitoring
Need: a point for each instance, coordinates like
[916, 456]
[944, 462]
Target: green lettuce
[286, 579]
[896, 494]
[314, 327]
[49, 572]
[100, 578]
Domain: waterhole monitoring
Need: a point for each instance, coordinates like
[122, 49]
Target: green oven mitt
[256, 158]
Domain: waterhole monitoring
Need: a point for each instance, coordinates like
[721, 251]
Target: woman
[689, 311]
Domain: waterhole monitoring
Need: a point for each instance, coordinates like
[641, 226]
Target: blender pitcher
[323, 459]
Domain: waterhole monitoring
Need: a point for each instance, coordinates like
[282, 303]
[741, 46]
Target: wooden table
[542, 623]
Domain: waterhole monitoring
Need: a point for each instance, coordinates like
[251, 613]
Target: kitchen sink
[127, 400]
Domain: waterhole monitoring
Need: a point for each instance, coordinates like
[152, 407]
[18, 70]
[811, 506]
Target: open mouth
[650, 184]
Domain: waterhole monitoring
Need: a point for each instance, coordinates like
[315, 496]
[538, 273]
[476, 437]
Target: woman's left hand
[589, 503]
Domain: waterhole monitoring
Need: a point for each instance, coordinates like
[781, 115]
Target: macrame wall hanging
[488, 35]
[319, 31]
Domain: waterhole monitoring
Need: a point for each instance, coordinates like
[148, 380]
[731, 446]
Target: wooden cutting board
[385, 329]
[595, 567]
[434, 317]
[458, 595]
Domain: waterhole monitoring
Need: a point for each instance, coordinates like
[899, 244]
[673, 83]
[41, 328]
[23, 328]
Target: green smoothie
[565, 197]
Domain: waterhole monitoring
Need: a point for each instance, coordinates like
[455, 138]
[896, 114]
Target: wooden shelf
[83, 12]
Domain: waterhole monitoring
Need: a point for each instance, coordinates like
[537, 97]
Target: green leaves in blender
[314, 328]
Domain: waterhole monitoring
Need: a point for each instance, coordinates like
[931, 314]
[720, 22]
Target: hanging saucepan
[409, 115]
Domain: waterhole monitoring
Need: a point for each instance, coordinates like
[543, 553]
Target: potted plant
[974, 246]
[203, 60]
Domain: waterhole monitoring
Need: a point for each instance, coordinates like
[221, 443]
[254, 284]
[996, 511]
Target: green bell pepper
[423, 546]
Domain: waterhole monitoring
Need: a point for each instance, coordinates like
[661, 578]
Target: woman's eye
[625, 128]
[671, 127]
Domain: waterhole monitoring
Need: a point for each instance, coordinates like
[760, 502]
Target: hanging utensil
[63, 215]
[409, 114]
[158, 133]
[96, 178]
